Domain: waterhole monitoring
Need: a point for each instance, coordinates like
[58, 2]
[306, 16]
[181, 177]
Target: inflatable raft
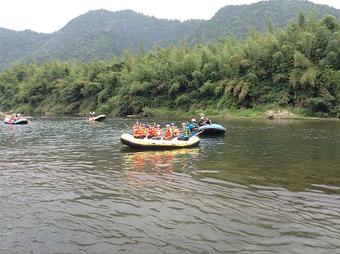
[99, 118]
[212, 129]
[130, 141]
[18, 121]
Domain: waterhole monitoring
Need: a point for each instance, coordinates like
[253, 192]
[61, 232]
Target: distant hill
[240, 19]
[16, 45]
[101, 34]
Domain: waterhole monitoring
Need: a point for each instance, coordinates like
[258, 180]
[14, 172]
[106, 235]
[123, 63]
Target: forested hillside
[15, 45]
[239, 20]
[101, 34]
[295, 67]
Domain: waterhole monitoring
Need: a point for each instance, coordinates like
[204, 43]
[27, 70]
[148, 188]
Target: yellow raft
[130, 141]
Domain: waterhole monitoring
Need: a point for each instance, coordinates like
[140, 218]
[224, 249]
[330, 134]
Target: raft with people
[16, 119]
[94, 118]
[145, 143]
[152, 136]
[212, 129]
[206, 127]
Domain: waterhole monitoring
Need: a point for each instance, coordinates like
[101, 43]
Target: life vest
[168, 133]
[152, 132]
[139, 132]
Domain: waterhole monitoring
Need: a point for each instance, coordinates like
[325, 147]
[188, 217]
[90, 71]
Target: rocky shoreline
[279, 114]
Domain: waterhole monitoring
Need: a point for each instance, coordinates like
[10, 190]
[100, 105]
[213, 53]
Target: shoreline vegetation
[272, 114]
[284, 73]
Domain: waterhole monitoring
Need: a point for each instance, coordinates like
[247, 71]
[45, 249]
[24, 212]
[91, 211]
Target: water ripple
[69, 187]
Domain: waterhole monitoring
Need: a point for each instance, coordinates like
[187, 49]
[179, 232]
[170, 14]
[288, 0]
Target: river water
[67, 186]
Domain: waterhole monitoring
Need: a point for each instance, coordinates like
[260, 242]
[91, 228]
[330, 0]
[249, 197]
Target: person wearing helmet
[204, 120]
[193, 127]
[168, 132]
[159, 132]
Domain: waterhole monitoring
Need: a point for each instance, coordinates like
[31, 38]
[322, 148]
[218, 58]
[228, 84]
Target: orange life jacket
[152, 132]
[168, 133]
[139, 132]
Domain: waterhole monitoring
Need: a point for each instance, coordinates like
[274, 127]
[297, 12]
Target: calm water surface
[67, 186]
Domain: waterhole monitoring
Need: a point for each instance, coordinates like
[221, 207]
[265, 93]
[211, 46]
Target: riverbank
[258, 113]
[255, 113]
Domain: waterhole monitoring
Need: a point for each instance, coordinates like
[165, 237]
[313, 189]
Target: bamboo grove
[298, 66]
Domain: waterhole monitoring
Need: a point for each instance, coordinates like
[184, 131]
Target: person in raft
[159, 132]
[174, 129]
[138, 130]
[168, 133]
[14, 117]
[91, 115]
[193, 127]
[185, 132]
[152, 132]
[204, 120]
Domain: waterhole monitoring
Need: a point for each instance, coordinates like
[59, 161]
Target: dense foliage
[295, 67]
[101, 34]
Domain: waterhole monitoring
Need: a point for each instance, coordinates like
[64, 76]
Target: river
[67, 186]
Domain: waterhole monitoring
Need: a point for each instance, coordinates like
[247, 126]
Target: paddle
[197, 134]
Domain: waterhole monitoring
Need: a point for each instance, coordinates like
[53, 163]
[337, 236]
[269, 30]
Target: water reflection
[161, 161]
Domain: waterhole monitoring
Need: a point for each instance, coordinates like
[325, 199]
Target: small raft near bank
[212, 129]
[99, 118]
[130, 141]
[18, 121]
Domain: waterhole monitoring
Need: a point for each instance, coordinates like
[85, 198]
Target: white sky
[50, 15]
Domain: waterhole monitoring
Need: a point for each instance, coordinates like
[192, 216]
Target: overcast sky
[50, 15]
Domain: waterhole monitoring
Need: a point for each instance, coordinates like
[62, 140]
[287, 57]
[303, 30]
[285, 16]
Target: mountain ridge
[100, 34]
